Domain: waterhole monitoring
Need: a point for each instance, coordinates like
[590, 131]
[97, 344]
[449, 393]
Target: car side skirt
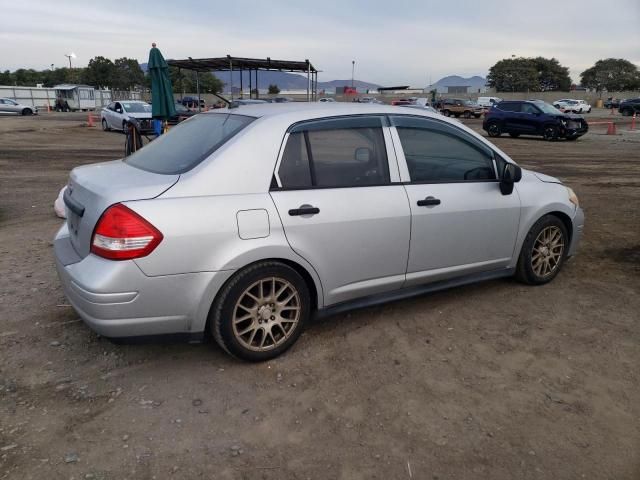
[403, 293]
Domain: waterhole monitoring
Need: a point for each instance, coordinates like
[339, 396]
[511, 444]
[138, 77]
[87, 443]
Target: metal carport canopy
[231, 64]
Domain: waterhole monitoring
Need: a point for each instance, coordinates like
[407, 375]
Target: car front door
[530, 121]
[512, 120]
[117, 116]
[460, 221]
[342, 206]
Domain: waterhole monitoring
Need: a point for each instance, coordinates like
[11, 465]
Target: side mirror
[119, 110]
[510, 175]
[363, 155]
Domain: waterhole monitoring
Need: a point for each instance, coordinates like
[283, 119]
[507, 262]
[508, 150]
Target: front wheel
[467, 114]
[261, 311]
[550, 133]
[446, 113]
[105, 125]
[494, 129]
[27, 112]
[543, 251]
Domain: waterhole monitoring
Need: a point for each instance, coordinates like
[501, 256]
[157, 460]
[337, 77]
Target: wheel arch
[310, 279]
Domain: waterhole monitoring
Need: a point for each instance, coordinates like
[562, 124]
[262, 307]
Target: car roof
[311, 109]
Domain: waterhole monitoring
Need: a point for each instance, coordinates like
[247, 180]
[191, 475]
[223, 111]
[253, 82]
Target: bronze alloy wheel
[548, 249]
[266, 314]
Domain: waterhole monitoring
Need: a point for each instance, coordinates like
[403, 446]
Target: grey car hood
[95, 187]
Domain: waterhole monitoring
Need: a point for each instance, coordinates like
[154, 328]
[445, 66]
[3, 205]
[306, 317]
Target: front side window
[341, 152]
[436, 152]
[528, 108]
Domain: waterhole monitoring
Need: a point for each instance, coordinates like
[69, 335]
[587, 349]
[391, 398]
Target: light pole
[353, 69]
[70, 56]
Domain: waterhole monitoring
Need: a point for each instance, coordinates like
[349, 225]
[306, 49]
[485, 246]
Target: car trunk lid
[93, 188]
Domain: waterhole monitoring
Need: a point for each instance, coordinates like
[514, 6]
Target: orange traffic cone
[611, 130]
[90, 120]
[633, 122]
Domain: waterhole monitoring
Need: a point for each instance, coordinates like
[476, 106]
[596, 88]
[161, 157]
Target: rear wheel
[543, 251]
[494, 130]
[261, 311]
[550, 133]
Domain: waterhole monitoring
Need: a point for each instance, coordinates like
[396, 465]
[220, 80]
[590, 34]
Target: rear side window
[439, 153]
[188, 143]
[343, 152]
[509, 106]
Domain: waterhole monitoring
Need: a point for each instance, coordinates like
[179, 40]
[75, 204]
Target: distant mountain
[284, 80]
[456, 81]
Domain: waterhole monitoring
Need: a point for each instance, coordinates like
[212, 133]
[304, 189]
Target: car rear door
[343, 209]
[460, 221]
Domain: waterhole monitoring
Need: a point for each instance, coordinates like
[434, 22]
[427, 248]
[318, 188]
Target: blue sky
[392, 42]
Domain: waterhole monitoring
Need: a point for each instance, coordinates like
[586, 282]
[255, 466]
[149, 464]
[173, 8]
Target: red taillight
[122, 234]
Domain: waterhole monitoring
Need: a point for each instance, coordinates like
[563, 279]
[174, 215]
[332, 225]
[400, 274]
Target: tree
[100, 72]
[185, 81]
[273, 89]
[6, 78]
[528, 74]
[551, 75]
[127, 74]
[612, 75]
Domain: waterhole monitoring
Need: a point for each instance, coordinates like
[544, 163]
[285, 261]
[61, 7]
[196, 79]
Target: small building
[71, 97]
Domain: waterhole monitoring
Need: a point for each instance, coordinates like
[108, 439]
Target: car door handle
[304, 210]
[429, 201]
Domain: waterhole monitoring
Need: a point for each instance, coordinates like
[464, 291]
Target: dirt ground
[495, 380]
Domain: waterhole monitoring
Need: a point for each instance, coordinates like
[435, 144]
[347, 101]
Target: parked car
[612, 102]
[8, 105]
[630, 106]
[572, 106]
[327, 100]
[458, 107]
[488, 102]
[178, 238]
[280, 100]
[369, 100]
[192, 103]
[246, 101]
[401, 101]
[182, 113]
[115, 115]
[522, 117]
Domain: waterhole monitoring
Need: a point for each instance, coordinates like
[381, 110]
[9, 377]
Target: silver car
[8, 105]
[244, 223]
[115, 115]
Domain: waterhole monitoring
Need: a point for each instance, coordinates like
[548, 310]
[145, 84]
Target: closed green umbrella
[162, 102]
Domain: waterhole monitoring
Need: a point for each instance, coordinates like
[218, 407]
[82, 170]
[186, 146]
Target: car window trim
[405, 167]
[383, 125]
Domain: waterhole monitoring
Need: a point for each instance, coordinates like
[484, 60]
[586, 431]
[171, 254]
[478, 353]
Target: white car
[11, 106]
[572, 106]
[488, 102]
[115, 115]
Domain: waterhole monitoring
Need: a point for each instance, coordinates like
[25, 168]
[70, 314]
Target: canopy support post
[241, 87]
[198, 89]
[231, 78]
[308, 80]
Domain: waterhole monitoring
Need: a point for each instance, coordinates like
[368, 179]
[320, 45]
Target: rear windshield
[188, 143]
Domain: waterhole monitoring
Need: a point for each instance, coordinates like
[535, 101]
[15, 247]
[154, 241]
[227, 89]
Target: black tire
[477, 115]
[124, 127]
[571, 138]
[514, 135]
[525, 272]
[626, 112]
[457, 115]
[446, 113]
[467, 114]
[550, 133]
[27, 111]
[222, 312]
[105, 125]
[494, 130]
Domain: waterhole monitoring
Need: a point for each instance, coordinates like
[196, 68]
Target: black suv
[629, 107]
[536, 117]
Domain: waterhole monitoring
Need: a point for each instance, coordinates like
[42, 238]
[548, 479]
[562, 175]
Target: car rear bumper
[576, 234]
[116, 299]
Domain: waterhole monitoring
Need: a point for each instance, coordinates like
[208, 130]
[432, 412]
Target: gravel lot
[495, 380]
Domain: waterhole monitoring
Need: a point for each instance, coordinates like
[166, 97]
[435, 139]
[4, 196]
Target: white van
[488, 101]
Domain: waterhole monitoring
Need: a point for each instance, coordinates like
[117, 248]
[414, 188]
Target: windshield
[546, 108]
[137, 107]
[188, 143]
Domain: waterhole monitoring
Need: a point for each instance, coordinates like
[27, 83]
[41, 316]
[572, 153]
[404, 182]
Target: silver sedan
[8, 105]
[244, 223]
